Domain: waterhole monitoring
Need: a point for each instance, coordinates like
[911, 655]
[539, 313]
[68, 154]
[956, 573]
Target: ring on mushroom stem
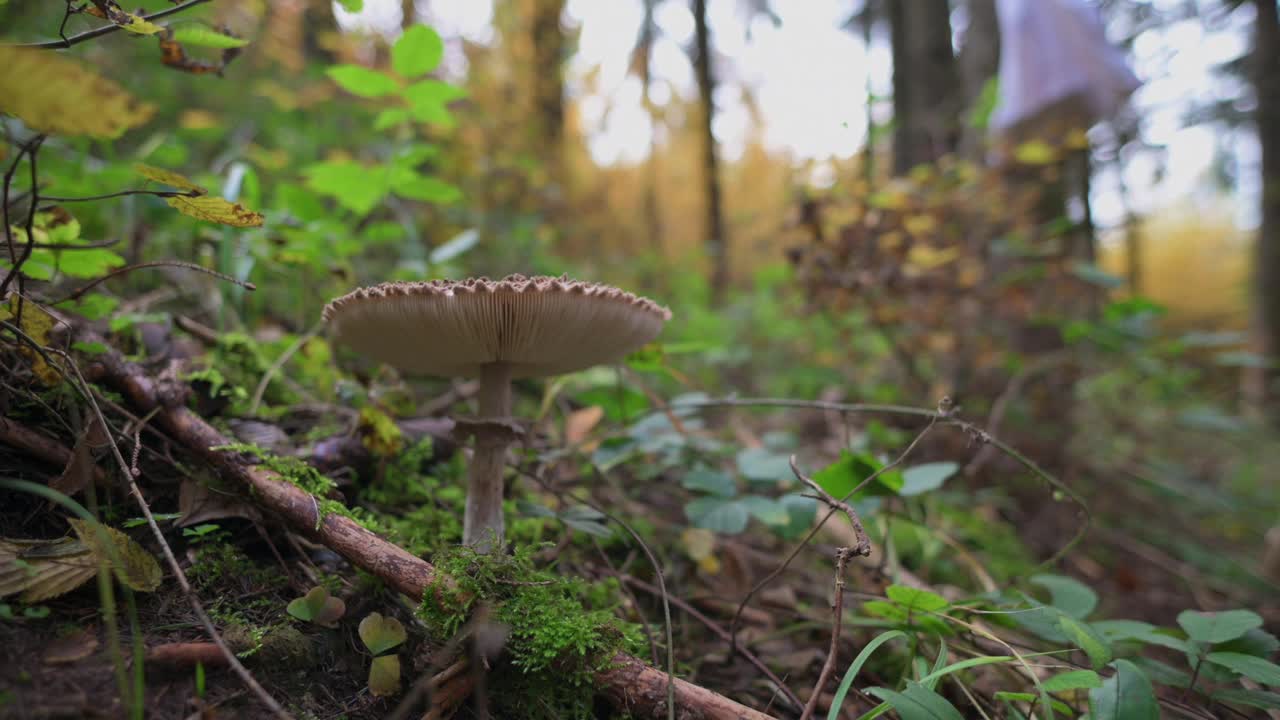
[497, 331]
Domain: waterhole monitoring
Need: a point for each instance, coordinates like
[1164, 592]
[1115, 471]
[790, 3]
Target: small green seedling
[318, 607]
[381, 634]
[201, 533]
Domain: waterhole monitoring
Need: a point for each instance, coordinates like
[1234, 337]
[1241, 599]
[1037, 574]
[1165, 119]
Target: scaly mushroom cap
[538, 326]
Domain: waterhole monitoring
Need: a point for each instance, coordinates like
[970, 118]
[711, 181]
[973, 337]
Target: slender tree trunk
[652, 215]
[1266, 69]
[716, 240]
[926, 83]
[546, 79]
[978, 62]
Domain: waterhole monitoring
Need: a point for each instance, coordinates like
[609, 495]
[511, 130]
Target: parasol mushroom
[497, 331]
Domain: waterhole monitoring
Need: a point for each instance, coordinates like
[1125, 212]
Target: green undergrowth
[560, 630]
[423, 512]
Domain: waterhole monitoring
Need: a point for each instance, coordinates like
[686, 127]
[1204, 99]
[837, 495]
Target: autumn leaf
[42, 569]
[168, 177]
[384, 676]
[52, 94]
[215, 209]
[134, 566]
[37, 324]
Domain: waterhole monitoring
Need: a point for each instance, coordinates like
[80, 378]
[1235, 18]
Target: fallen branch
[33, 443]
[628, 683]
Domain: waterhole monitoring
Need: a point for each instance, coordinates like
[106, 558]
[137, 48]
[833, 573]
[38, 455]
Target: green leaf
[762, 465]
[711, 481]
[1115, 630]
[918, 703]
[352, 6]
[1127, 695]
[96, 306]
[921, 479]
[720, 515]
[618, 402]
[384, 676]
[800, 513]
[1257, 642]
[206, 37]
[412, 185]
[766, 510]
[417, 52]
[1072, 680]
[354, 186]
[89, 347]
[1087, 639]
[915, 598]
[432, 92]
[855, 667]
[380, 634]
[1254, 668]
[1251, 698]
[362, 81]
[390, 117]
[1208, 627]
[1069, 595]
[87, 263]
[851, 470]
[317, 607]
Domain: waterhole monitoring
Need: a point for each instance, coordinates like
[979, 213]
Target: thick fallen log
[629, 683]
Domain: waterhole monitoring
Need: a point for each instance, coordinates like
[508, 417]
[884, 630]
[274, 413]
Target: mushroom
[497, 331]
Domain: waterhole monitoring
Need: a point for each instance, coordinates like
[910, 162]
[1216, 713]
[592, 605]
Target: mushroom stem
[484, 484]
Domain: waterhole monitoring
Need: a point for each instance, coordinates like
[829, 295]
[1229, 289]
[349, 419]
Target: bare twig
[75, 295]
[863, 548]
[843, 556]
[67, 42]
[123, 193]
[32, 149]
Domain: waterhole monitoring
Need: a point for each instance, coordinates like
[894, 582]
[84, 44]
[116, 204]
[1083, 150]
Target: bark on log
[630, 684]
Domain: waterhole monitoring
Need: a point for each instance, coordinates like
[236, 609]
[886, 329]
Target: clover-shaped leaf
[318, 607]
[380, 634]
[384, 675]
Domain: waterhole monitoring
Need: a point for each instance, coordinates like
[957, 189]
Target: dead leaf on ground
[42, 569]
[134, 566]
[199, 504]
[72, 648]
[580, 423]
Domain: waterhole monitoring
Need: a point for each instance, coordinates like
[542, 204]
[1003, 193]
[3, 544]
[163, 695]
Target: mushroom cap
[537, 326]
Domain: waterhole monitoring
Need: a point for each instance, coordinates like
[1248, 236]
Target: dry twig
[843, 555]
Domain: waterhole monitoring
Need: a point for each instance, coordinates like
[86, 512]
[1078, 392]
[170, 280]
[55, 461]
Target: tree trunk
[978, 62]
[926, 83]
[546, 79]
[1266, 69]
[652, 215]
[716, 241]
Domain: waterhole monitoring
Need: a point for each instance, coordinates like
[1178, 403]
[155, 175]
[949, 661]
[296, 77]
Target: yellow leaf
[134, 567]
[580, 423]
[922, 258]
[218, 210]
[1076, 140]
[167, 177]
[42, 569]
[37, 324]
[699, 545]
[137, 25]
[53, 94]
[379, 433]
[384, 676]
[920, 225]
[1035, 152]
[197, 120]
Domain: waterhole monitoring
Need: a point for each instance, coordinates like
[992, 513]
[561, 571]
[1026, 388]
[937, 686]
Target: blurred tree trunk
[547, 83]
[1266, 70]
[979, 61]
[716, 240]
[926, 83]
[644, 58]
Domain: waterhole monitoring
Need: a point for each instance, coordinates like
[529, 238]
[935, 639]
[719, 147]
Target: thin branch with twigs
[843, 555]
[66, 42]
[76, 294]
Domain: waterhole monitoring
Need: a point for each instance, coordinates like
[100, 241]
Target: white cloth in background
[1057, 70]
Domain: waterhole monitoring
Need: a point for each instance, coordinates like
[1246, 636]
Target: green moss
[560, 630]
[298, 473]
